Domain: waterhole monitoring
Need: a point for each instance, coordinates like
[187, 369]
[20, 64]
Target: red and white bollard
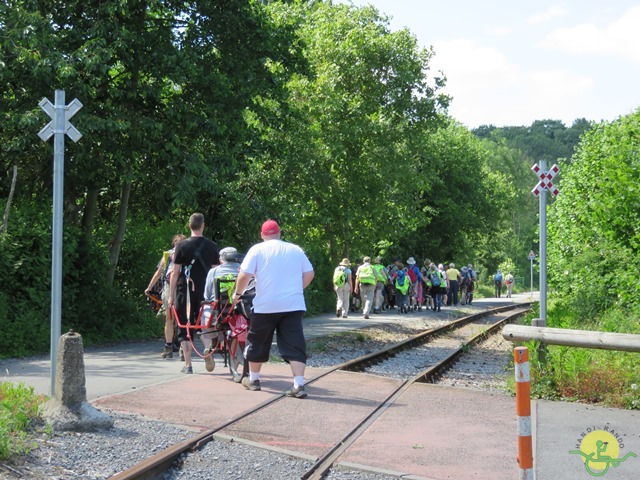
[523, 411]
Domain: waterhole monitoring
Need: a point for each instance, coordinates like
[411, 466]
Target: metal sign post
[540, 190]
[58, 127]
[531, 257]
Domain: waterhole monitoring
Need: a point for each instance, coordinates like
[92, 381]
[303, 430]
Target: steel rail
[325, 462]
[155, 466]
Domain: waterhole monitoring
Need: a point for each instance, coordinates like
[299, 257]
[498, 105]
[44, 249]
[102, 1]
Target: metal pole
[543, 249]
[531, 284]
[523, 412]
[56, 250]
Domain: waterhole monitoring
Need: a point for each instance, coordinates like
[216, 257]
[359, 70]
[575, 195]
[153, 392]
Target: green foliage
[594, 226]
[98, 312]
[18, 410]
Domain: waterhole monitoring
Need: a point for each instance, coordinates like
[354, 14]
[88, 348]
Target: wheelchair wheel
[236, 359]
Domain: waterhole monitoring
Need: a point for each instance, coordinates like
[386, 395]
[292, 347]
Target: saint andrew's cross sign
[545, 180]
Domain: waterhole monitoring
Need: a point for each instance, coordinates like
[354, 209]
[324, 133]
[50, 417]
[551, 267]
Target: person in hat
[415, 293]
[381, 281]
[282, 271]
[227, 270]
[342, 280]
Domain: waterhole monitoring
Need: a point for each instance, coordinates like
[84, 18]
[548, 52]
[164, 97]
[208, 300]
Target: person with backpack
[161, 275]
[509, 281]
[366, 285]
[472, 278]
[402, 284]
[381, 280]
[436, 280]
[193, 258]
[426, 285]
[415, 292]
[497, 280]
[342, 286]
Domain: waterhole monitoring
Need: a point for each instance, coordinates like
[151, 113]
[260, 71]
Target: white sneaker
[209, 364]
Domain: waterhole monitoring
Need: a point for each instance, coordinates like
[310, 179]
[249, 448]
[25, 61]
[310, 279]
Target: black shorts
[290, 336]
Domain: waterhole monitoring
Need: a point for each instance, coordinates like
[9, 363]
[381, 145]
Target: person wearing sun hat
[282, 271]
[342, 286]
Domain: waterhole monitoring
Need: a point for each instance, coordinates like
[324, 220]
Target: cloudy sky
[509, 62]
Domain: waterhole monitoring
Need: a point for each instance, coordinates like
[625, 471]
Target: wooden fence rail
[626, 342]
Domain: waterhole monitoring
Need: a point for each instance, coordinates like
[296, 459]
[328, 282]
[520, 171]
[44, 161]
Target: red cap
[270, 227]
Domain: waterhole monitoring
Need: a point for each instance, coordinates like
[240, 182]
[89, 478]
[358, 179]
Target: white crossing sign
[545, 180]
[70, 111]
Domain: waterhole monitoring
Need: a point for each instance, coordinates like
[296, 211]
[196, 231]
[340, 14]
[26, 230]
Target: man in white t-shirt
[282, 272]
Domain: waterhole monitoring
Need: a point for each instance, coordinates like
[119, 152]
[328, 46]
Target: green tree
[594, 226]
[345, 169]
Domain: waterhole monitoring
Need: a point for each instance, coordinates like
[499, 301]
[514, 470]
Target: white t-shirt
[278, 267]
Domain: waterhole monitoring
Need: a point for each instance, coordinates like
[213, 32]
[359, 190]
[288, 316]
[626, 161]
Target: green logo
[600, 450]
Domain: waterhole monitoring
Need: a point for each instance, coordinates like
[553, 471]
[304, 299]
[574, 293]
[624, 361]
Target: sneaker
[339, 312]
[186, 369]
[209, 364]
[249, 385]
[181, 355]
[296, 392]
[167, 352]
[344, 316]
[366, 317]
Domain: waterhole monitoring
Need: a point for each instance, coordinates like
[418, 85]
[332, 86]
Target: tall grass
[604, 377]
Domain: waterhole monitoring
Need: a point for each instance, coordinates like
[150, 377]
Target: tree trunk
[90, 209]
[5, 219]
[116, 244]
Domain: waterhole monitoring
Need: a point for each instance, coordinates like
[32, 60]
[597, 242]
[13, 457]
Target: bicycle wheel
[236, 359]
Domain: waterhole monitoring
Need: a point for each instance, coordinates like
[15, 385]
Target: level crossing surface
[435, 433]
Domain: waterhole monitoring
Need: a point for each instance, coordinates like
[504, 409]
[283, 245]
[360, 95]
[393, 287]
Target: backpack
[468, 277]
[401, 282]
[497, 277]
[509, 279]
[367, 275]
[435, 279]
[339, 277]
[412, 274]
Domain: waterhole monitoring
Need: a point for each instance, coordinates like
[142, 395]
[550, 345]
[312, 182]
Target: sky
[509, 63]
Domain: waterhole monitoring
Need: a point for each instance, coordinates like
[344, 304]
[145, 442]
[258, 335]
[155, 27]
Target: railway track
[451, 341]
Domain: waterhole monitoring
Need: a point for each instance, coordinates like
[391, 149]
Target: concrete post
[69, 410]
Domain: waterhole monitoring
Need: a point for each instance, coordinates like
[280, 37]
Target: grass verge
[18, 414]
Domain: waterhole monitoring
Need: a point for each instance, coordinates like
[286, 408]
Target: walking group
[371, 287]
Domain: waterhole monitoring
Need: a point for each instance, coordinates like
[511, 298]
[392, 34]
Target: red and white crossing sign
[545, 180]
